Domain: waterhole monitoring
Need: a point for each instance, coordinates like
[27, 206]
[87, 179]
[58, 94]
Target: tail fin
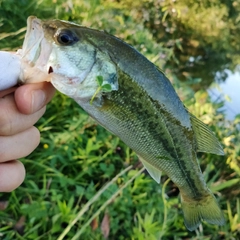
[206, 209]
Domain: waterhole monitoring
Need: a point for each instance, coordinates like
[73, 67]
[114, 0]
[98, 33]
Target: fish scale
[143, 126]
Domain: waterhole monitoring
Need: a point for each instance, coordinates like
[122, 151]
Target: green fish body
[141, 107]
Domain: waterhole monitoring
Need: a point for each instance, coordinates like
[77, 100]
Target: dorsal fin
[206, 140]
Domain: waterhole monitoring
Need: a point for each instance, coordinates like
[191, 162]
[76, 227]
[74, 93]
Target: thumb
[30, 98]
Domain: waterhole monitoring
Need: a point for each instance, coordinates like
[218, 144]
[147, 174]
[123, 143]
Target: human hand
[19, 111]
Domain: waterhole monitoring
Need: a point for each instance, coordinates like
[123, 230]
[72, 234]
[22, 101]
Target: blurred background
[196, 44]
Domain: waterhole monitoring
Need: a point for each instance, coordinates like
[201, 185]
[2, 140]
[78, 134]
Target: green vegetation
[101, 87]
[76, 186]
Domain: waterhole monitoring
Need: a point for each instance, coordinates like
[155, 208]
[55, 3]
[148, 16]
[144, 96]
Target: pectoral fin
[206, 140]
[154, 172]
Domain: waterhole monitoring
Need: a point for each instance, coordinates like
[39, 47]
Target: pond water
[229, 91]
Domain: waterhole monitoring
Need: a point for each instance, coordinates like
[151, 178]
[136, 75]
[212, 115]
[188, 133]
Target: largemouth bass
[129, 96]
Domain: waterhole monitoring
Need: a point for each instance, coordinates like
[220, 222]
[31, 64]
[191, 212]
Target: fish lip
[32, 40]
[34, 53]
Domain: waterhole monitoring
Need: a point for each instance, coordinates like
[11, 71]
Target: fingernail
[38, 100]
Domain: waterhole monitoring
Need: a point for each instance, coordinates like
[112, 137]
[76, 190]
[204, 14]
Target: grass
[81, 175]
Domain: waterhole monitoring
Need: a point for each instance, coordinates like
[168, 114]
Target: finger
[7, 91]
[11, 120]
[12, 174]
[32, 97]
[19, 145]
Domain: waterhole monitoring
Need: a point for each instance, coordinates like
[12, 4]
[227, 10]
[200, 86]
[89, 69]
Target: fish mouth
[34, 54]
[32, 41]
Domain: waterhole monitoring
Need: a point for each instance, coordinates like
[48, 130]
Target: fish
[130, 97]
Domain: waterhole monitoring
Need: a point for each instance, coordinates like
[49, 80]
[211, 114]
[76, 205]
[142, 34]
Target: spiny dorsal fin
[206, 140]
[154, 172]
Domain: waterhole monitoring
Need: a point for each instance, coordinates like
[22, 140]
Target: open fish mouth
[33, 38]
[34, 54]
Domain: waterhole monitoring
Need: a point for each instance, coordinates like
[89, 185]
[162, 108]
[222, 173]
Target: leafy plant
[101, 87]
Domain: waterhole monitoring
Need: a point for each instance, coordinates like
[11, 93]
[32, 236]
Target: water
[229, 91]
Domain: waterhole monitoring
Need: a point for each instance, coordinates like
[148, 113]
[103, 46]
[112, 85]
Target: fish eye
[66, 37]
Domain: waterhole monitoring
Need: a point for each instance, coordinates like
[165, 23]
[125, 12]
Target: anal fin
[154, 172]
